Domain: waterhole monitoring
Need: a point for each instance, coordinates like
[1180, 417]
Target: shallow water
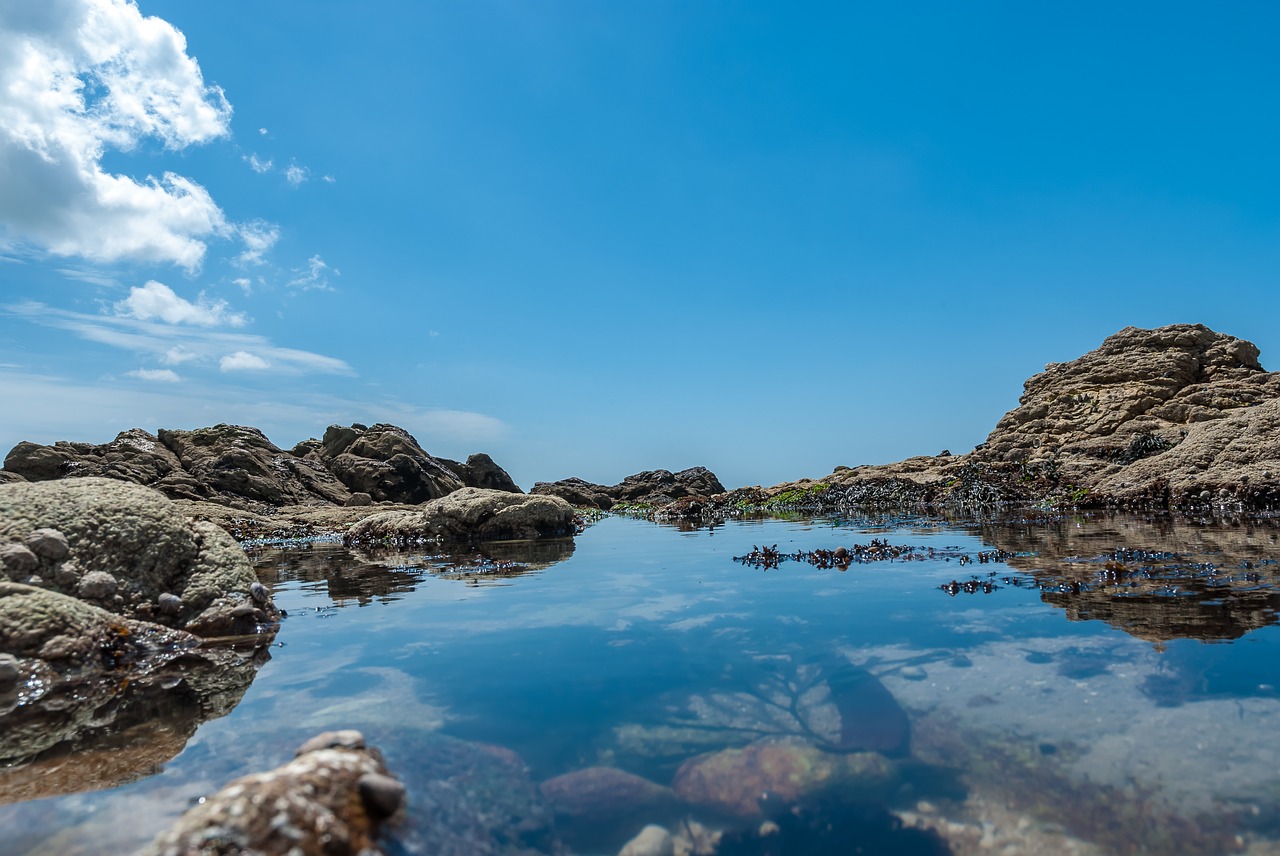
[1099, 685]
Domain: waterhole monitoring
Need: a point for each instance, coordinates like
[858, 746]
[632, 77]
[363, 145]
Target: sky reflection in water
[641, 645]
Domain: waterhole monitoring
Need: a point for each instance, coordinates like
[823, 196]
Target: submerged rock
[470, 514]
[331, 799]
[735, 781]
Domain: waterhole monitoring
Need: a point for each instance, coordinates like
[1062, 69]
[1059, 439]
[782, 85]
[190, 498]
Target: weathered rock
[18, 560]
[239, 467]
[471, 514]
[123, 539]
[234, 464]
[310, 806]
[653, 487]
[48, 544]
[735, 780]
[481, 471]
[1179, 416]
[387, 463]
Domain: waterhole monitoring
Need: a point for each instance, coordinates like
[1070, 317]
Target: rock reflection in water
[89, 735]
[363, 575]
[1157, 578]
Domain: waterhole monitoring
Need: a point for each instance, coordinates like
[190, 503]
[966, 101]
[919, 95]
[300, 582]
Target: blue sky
[592, 238]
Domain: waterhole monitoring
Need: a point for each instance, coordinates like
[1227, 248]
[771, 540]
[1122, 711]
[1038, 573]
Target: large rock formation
[1177, 416]
[239, 467]
[653, 487]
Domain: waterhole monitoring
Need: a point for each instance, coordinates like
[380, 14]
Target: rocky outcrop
[653, 487]
[331, 799]
[129, 551]
[1178, 416]
[481, 471]
[469, 514]
[387, 463]
[240, 468]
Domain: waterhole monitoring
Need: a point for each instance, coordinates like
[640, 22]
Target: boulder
[470, 514]
[606, 794]
[576, 491]
[331, 799]
[122, 547]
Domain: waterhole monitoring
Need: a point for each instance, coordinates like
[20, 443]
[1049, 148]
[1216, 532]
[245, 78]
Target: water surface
[1090, 685]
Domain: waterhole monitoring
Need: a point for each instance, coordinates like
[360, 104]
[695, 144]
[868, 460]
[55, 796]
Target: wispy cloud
[84, 76]
[257, 164]
[314, 277]
[259, 237]
[296, 174]
[155, 375]
[156, 301]
[174, 343]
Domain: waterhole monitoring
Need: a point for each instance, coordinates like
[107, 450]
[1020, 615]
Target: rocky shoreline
[122, 575]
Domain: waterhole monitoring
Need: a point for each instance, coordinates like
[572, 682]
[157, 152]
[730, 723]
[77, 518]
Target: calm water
[1100, 685]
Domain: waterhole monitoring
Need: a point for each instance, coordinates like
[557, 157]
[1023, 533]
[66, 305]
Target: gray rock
[259, 592]
[382, 795]
[67, 575]
[18, 560]
[359, 500]
[97, 585]
[48, 543]
[653, 487]
[170, 604]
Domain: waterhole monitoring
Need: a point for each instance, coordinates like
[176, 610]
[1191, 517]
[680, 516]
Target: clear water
[1082, 700]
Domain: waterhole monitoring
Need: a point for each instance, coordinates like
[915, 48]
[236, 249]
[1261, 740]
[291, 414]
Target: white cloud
[156, 301]
[243, 361]
[245, 285]
[296, 174]
[314, 277]
[83, 76]
[460, 425]
[262, 131]
[177, 355]
[329, 179]
[157, 375]
[174, 344]
[257, 165]
[259, 236]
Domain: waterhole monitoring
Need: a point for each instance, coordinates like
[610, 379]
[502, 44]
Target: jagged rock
[576, 491]
[239, 467]
[315, 804]
[125, 546]
[470, 514]
[387, 463]
[233, 463]
[481, 471]
[652, 487]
